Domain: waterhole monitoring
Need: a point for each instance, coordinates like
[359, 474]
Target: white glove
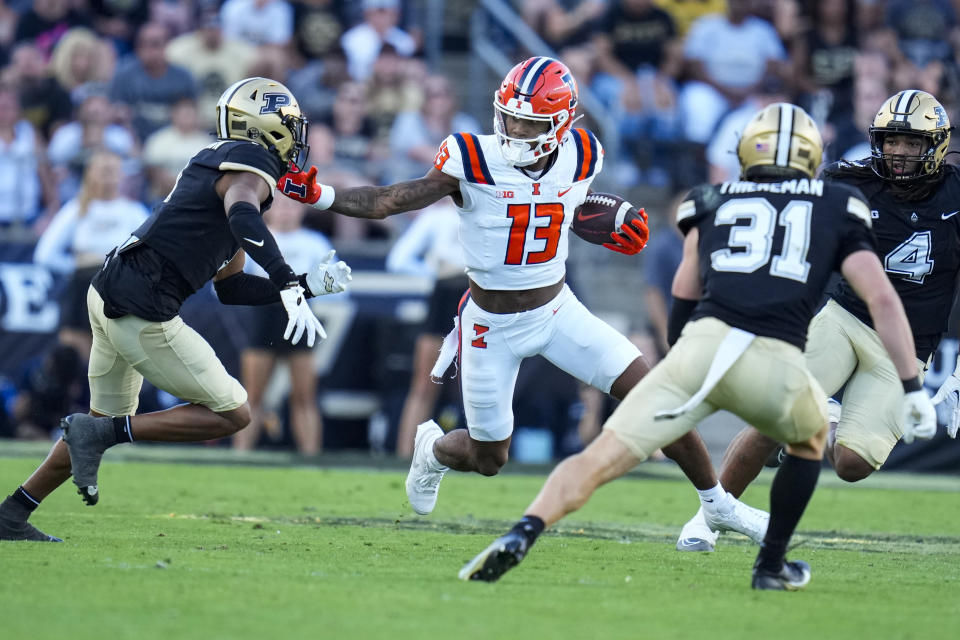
[328, 278]
[301, 318]
[949, 394]
[919, 416]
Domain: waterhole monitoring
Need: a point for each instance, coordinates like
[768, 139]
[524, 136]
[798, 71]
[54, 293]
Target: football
[600, 215]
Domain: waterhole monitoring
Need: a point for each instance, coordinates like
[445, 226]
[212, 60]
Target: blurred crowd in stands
[102, 102]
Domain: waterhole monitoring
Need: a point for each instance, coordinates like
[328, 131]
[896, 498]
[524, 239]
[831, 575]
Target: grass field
[231, 551]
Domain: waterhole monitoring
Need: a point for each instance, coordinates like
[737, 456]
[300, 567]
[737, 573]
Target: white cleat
[423, 480]
[736, 516]
[696, 535]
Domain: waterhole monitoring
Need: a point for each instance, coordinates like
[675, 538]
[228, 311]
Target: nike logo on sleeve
[255, 243]
[944, 216]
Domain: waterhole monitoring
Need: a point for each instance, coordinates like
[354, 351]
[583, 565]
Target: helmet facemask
[523, 152]
[927, 161]
[299, 149]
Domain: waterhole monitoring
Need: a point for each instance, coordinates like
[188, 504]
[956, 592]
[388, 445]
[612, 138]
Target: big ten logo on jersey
[26, 303]
[505, 194]
[273, 101]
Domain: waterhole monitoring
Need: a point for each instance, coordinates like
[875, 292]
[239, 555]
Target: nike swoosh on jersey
[944, 216]
[256, 243]
[563, 192]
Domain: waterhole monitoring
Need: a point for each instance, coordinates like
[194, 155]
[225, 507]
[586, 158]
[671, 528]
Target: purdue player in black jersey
[914, 199]
[756, 258]
[202, 230]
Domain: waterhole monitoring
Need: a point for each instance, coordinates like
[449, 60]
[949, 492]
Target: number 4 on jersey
[912, 258]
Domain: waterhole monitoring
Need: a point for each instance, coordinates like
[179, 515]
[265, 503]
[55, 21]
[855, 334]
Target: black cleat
[793, 576]
[14, 525]
[87, 438]
[503, 554]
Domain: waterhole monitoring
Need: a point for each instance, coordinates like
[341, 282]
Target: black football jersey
[186, 239]
[767, 250]
[919, 245]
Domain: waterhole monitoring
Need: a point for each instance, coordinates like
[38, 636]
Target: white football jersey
[514, 228]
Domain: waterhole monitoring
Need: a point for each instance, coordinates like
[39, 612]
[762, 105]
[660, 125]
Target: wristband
[911, 385]
[327, 194]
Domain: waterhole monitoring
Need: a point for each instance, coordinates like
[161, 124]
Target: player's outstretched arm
[863, 271]
[368, 202]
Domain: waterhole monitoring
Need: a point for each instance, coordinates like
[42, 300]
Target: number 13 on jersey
[547, 220]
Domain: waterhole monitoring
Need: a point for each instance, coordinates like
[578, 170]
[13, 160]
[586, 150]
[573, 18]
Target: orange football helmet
[540, 89]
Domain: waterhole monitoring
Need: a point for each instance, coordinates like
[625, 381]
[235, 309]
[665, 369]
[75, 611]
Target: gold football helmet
[778, 142]
[915, 113]
[264, 111]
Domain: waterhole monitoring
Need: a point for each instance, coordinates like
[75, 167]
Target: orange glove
[303, 187]
[628, 241]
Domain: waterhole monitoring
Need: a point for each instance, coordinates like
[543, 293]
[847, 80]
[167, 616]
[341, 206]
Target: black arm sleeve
[248, 228]
[243, 288]
[680, 312]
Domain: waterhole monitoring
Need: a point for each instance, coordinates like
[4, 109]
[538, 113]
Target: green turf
[205, 551]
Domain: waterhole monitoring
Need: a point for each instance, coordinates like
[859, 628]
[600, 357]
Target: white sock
[433, 461]
[712, 499]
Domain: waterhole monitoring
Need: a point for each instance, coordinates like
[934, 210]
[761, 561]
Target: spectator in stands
[636, 45]
[8, 28]
[258, 22]
[148, 85]
[429, 247]
[168, 150]
[318, 26]
[215, 60]
[81, 234]
[390, 91]
[46, 104]
[119, 20]
[924, 29]
[416, 135]
[726, 56]
[316, 83]
[850, 139]
[26, 184]
[354, 130]
[303, 249]
[46, 21]
[823, 58]
[363, 42]
[74, 143]
[722, 150]
[82, 62]
[562, 23]
[685, 12]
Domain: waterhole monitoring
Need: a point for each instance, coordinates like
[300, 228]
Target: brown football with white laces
[600, 215]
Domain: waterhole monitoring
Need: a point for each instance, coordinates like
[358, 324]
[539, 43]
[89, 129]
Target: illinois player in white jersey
[516, 191]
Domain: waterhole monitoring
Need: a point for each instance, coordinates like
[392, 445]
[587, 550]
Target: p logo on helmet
[273, 101]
